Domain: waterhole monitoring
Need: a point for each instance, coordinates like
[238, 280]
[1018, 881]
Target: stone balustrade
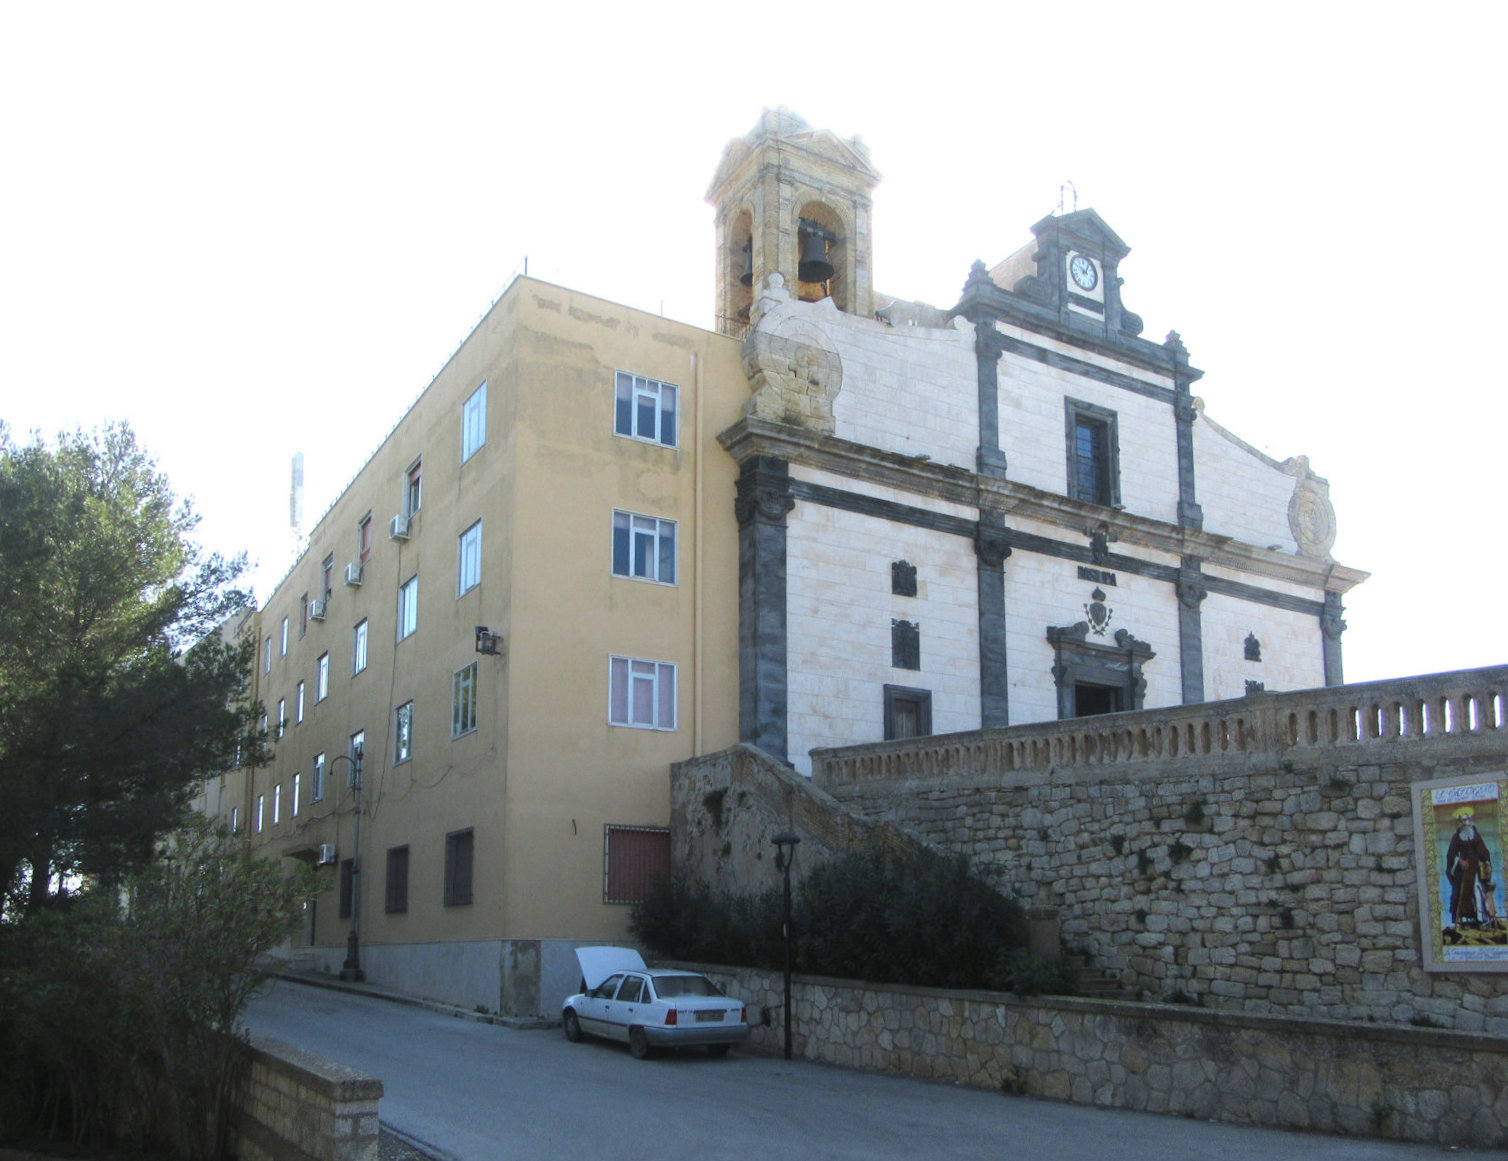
[1416, 711]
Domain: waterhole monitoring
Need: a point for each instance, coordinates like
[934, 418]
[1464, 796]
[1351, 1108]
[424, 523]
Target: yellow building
[602, 542]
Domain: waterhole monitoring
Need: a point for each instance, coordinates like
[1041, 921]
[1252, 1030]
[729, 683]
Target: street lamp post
[351, 969]
[785, 852]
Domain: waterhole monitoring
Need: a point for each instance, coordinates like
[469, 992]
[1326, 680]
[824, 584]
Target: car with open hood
[649, 1008]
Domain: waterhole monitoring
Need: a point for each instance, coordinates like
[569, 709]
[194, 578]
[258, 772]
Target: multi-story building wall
[601, 542]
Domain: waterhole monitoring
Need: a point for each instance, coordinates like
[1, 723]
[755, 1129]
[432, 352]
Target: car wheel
[572, 1026]
[717, 1049]
[638, 1043]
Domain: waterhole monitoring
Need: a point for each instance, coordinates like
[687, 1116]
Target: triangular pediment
[784, 128]
[1084, 230]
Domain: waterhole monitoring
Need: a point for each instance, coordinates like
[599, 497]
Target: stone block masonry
[1254, 855]
[1411, 1084]
[296, 1107]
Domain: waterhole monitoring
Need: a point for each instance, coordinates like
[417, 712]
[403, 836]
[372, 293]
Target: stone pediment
[792, 132]
[1085, 230]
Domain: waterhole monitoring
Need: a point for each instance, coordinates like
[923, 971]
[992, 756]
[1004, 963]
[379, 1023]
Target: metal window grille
[633, 858]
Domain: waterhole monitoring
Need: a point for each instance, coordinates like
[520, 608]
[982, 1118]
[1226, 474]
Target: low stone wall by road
[296, 1107]
[1374, 1080]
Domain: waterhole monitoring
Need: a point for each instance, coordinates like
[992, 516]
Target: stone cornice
[751, 437]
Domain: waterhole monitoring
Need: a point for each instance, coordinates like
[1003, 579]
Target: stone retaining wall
[1413, 1084]
[296, 1107]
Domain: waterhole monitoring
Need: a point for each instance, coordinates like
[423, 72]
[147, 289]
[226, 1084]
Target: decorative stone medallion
[1311, 518]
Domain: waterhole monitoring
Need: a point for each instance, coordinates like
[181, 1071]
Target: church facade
[601, 542]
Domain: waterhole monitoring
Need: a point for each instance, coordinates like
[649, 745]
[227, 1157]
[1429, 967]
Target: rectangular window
[644, 547]
[298, 781]
[303, 616]
[905, 644]
[473, 422]
[412, 489]
[322, 678]
[267, 657]
[1093, 453]
[277, 804]
[298, 704]
[317, 779]
[645, 409]
[359, 647]
[235, 820]
[458, 857]
[463, 701]
[327, 575]
[469, 559]
[908, 712]
[282, 716]
[633, 858]
[403, 732]
[347, 885]
[408, 607]
[261, 803]
[285, 637]
[397, 880]
[641, 693]
[364, 540]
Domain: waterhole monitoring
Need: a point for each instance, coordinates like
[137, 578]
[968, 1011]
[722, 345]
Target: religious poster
[1460, 826]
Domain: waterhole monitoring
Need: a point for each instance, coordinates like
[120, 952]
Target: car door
[624, 1010]
[595, 1005]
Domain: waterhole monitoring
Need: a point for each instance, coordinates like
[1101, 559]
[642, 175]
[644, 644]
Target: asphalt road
[475, 1092]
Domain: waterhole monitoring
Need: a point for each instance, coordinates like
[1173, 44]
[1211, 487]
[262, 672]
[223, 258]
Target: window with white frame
[267, 656]
[469, 559]
[298, 704]
[261, 804]
[359, 647]
[285, 638]
[463, 701]
[645, 409]
[474, 422]
[641, 693]
[235, 819]
[644, 547]
[403, 732]
[282, 715]
[322, 678]
[408, 607]
[298, 781]
[317, 779]
[277, 804]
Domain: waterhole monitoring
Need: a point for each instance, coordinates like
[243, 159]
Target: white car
[650, 1007]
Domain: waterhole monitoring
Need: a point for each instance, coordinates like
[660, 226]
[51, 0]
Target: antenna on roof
[296, 503]
[1068, 191]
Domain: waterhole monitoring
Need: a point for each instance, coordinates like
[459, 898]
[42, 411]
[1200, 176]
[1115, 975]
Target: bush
[118, 1019]
[887, 917]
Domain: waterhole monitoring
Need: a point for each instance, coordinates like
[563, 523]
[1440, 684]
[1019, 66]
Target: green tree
[116, 691]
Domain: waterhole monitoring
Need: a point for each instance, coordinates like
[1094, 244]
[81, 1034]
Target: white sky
[252, 230]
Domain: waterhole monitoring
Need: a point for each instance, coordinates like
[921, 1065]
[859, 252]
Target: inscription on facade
[1098, 575]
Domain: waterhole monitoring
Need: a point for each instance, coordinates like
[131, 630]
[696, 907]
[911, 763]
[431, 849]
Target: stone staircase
[1097, 982]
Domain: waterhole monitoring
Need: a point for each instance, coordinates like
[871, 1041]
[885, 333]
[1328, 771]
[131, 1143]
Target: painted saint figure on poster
[1468, 869]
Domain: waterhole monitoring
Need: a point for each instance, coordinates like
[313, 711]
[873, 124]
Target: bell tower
[792, 200]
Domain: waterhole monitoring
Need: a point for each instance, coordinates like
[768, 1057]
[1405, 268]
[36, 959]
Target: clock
[1083, 271]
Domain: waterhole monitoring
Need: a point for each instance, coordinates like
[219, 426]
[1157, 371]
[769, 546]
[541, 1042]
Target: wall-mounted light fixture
[488, 643]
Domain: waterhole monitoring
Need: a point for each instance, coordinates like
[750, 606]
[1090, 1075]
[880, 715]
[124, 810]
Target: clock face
[1083, 272]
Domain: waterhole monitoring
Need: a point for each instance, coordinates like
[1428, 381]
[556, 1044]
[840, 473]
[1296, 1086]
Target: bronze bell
[747, 277]
[814, 265]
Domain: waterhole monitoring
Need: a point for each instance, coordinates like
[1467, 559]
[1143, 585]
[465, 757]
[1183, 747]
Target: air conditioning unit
[398, 529]
[353, 575]
[326, 854]
[317, 610]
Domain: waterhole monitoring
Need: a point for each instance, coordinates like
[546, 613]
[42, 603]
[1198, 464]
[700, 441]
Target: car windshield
[668, 987]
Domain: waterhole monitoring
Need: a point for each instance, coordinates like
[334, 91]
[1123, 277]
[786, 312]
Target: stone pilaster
[1332, 625]
[1190, 514]
[762, 504]
[988, 348]
[1191, 594]
[992, 546]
